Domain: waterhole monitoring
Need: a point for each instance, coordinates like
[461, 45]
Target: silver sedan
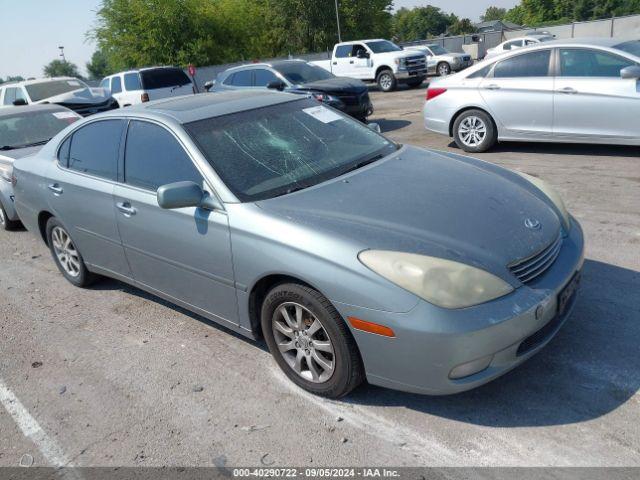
[578, 91]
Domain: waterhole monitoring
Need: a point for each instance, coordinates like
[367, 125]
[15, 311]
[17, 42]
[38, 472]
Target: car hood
[430, 203]
[334, 85]
[391, 56]
[83, 96]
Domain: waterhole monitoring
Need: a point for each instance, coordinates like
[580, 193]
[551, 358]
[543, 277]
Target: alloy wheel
[65, 251]
[303, 342]
[472, 131]
[443, 69]
[385, 81]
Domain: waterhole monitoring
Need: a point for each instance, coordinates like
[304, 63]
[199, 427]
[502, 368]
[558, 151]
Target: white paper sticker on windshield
[322, 113]
[62, 115]
[73, 83]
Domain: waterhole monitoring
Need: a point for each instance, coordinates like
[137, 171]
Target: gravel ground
[111, 376]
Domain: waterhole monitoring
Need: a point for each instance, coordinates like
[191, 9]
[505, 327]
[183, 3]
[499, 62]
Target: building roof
[497, 25]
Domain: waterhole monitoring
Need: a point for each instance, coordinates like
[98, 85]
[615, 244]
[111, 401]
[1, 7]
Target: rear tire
[386, 81]
[474, 131]
[6, 224]
[311, 343]
[66, 256]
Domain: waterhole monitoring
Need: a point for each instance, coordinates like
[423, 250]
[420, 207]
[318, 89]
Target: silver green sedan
[275, 216]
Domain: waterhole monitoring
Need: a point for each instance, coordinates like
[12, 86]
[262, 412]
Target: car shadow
[391, 125]
[590, 368]
[562, 149]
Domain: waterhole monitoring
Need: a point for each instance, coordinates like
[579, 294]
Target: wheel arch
[381, 68]
[43, 218]
[466, 109]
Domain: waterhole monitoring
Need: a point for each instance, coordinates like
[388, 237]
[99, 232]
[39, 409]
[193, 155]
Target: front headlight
[5, 172]
[442, 282]
[401, 62]
[551, 194]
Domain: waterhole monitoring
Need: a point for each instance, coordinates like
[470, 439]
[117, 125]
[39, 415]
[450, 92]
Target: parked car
[23, 131]
[138, 86]
[515, 43]
[68, 92]
[574, 91]
[379, 61]
[279, 217]
[297, 76]
[441, 61]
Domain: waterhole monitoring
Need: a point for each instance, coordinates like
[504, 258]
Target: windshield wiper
[26, 145]
[363, 163]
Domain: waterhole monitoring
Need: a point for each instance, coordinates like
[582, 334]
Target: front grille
[415, 64]
[529, 268]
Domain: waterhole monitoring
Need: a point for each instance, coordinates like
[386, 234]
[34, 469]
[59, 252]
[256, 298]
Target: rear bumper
[432, 343]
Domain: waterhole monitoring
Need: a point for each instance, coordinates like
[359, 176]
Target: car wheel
[5, 223]
[444, 69]
[386, 81]
[415, 83]
[310, 341]
[66, 255]
[474, 131]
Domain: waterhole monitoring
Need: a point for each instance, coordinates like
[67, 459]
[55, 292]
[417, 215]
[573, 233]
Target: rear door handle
[567, 90]
[126, 208]
[493, 86]
[55, 188]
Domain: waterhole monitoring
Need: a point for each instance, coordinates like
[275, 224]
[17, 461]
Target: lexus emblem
[532, 224]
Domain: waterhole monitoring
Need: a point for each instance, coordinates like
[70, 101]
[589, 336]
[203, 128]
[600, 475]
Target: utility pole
[338, 22]
[62, 53]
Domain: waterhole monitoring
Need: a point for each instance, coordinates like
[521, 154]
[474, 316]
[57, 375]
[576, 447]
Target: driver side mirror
[632, 71]
[208, 85]
[276, 85]
[185, 194]
[362, 54]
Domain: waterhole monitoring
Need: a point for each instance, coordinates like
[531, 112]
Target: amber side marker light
[371, 327]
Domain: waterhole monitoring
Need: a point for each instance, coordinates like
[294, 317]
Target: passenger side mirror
[19, 102]
[185, 194]
[276, 85]
[632, 71]
[208, 85]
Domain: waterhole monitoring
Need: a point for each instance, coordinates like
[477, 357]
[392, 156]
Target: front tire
[443, 69]
[474, 131]
[310, 342]
[66, 256]
[386, 81]
[5, 223]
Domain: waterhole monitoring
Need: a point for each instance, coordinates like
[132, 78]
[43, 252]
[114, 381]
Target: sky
[26, 47]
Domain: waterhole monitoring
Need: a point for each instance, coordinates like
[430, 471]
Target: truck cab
[379, 61]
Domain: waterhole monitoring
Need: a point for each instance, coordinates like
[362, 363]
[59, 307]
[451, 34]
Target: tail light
[434, 92]
[144, 97]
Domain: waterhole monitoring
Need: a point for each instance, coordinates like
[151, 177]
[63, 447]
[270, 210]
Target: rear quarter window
[163, 78]
[95, 148]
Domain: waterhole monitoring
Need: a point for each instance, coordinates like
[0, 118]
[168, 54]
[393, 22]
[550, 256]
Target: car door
[591, 99]
[183, 254]
[116, 89]
[342, 63]
[519, 94]
[360, 66]
[132, 93]
[80, 192]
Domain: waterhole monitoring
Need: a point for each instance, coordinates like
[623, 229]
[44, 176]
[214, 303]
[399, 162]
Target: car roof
[274, 64]
[48, 107]
[190, 108]
[138, 70]
[593, 41]
[364, 41]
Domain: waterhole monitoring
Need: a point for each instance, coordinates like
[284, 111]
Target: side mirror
[208, 85]
[276, 85]
[375, 127]
[19, 102]
[185, 194]
[632, 71]
[362, 54]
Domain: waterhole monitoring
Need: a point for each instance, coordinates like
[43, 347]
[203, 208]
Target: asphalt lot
[111, 376]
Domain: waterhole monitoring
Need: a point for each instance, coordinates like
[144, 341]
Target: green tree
[98, 66]
[493, 13]
[420, 23]
[539, 12]
[60, 68]
[461, 26]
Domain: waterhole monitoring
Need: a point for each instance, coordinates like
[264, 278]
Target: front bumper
[410, 74]
[7, 200]
[431, 342]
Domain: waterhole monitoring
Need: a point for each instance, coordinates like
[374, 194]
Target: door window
[534, 64]
[242, 79]
[132, 82]
[357, 48]
[9, 96]
[262, 77]
[104, 83]
[512, 45]
[154, 158]
[116, 85]
[580, 62]
[94, 148]
[343, 51]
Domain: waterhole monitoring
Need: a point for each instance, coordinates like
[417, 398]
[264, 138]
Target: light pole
[338, 22]
[62, 53]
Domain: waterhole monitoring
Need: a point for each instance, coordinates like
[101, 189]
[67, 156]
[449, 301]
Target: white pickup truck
[379, 61]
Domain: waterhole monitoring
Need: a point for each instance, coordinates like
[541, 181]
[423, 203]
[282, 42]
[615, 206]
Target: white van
[138, 86]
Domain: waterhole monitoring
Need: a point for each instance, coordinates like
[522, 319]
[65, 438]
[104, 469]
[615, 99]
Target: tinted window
[9, 96]
[132, 81]
[242, 79]
[590, 63]
[302, 72]
[437, 50]
[116, 84]
[263, 77]
[343, 51]
[510, 45]
[94, 148]
[51, 88]
[154, 158]
[383, 46]
[481, 73]
[163, 78]
[534, 64]
[229, 79]
[104, 83]
[358, 48]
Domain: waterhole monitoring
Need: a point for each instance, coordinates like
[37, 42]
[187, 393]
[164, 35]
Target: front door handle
[568, 90]
[126, 208]
[335, 63]
[55, 188]
[351, 61]
[493, 86]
